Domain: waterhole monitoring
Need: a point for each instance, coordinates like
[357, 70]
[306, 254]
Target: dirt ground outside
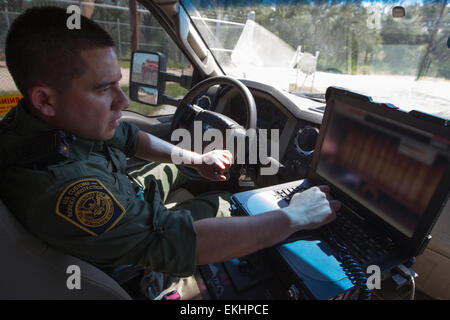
[431, 95]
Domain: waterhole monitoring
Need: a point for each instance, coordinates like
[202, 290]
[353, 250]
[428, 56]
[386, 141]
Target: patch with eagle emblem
[89, 205]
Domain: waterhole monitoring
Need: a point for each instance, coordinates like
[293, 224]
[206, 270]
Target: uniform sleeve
[104, 223]
[170, 246]
[125, 138]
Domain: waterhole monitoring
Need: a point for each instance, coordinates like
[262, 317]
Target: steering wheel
[186, 113]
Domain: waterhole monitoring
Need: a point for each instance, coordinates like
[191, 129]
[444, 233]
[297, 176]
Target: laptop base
[309, 259]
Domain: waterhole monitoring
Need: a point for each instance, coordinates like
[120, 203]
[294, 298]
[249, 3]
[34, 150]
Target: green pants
[208, 205]
[168, 178]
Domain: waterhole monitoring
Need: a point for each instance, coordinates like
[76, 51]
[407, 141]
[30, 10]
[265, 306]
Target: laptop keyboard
[362, 244]
[288, 193]
[347, 232]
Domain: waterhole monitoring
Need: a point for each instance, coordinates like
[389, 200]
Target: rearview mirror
[146, 83]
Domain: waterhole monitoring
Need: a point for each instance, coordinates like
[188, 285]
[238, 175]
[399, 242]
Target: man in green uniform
[63, 159]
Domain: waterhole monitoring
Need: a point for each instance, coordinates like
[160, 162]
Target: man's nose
[121, 101]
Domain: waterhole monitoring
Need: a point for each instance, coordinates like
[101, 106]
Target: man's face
[91, 108]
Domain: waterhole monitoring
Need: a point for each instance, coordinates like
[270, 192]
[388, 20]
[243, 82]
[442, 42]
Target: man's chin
[108, 135]
[105, 135]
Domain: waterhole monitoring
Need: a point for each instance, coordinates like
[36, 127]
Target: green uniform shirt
[87, 206]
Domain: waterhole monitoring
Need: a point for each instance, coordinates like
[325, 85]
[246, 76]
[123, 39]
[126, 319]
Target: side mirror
[148, 78]
[146, 85]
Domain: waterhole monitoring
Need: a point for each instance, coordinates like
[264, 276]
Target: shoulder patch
[89, 205]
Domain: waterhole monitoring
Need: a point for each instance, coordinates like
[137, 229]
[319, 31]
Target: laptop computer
[389, 168]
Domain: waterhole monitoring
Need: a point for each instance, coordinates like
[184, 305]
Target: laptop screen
[390, 168]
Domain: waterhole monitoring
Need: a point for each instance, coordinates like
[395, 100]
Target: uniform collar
[26, 124]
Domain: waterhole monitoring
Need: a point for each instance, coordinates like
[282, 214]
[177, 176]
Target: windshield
[396, 52]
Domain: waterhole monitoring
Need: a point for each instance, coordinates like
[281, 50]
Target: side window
[9, 95]
[115, 18]
[150, 37]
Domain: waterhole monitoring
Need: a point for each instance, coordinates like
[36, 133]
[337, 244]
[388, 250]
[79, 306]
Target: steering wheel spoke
[187, 113]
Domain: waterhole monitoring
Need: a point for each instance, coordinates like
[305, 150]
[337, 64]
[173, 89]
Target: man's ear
[43, 99]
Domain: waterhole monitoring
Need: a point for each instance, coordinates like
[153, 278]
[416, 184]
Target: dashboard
[269, 116]
[297, 120]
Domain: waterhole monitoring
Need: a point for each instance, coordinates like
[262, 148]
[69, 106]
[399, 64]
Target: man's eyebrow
[105, 84]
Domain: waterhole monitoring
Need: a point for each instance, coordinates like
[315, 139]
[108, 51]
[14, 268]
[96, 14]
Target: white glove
[311, 209]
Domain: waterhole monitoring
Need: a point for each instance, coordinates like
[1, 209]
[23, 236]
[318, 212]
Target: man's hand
[312, 208]
[214, 164]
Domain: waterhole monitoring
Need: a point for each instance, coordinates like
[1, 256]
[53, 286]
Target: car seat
[30, 269]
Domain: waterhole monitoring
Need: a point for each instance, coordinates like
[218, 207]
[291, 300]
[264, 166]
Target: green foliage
[172, 90]
[175, 90]
[139, 107]
[349, 37]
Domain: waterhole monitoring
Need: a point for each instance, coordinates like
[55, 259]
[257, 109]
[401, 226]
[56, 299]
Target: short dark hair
[41, 50]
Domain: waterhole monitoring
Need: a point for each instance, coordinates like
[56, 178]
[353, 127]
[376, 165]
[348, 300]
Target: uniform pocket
[83, 169]
[68, 171]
